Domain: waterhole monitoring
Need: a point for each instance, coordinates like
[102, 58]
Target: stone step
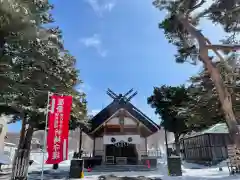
[121, 168]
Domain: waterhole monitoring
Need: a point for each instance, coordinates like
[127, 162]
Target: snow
[4, 159]
[190, 172]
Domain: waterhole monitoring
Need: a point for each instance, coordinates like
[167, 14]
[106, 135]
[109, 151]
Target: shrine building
[120, 132]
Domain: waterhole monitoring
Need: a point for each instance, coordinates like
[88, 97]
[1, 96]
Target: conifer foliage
[33, 61]
[181, 28]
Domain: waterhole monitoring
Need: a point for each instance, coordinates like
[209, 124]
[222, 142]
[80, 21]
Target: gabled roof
[113, 107]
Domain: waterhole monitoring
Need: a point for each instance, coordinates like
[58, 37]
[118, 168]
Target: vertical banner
[58, 127]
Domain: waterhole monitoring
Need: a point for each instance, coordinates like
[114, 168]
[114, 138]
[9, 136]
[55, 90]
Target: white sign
[113, 139]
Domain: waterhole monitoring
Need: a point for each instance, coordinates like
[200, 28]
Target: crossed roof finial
[125, 98]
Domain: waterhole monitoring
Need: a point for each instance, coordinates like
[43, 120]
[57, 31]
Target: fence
[35, 155]
[9, 152]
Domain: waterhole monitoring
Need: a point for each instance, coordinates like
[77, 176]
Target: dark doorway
[129, 151]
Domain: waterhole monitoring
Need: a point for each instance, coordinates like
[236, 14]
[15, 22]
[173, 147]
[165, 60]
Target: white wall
[99, 147]
[135, 139]
[142, 147]
[157, 140]
[73, 141]
[3, 123]
[127, 121]
[114, 120]
[87, 143]
[143, 144]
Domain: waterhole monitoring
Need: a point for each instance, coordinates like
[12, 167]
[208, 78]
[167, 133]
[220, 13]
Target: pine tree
[204, 109]
[32, 64]
[167, 102]
[180, 28]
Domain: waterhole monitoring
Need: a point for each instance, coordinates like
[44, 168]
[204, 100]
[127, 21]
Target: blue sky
[118, 45]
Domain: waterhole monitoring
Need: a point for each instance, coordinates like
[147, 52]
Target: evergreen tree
[167, 102]
[180, 28]
[32, 64]
[205, 108]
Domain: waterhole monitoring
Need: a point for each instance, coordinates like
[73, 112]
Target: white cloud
[96, 43]
[83, 88]
[100, 8]
[94, 112]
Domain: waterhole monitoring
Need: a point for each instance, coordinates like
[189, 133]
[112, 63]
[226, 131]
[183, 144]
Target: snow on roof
[219, 128]
[9, 144]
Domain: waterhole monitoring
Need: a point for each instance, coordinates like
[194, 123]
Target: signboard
[58, 128]
[118, 139]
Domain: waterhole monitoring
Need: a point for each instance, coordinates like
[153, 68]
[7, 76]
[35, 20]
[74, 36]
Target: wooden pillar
[104, 154]
[146, 146]
[138, 129]
[139, 145]
[121, 120]
[94, 142]
[104, 146]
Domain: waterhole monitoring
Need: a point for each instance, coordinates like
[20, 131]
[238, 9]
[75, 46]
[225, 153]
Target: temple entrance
[121, 153]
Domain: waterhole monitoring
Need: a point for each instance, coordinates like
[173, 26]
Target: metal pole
[80, 144]
[45, 134]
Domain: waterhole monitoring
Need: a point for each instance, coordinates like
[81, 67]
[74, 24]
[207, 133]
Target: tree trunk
[224, 95]
[225, 99]
[22, 155]
[22, 137]
[22, 133]
[177, 145]
[166, 142]
[2, 43]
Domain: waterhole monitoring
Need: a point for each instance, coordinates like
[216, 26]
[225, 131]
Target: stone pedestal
[76, 168]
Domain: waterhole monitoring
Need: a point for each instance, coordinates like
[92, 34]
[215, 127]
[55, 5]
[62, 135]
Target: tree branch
[224, 47]
[196, 6]
[215, 51]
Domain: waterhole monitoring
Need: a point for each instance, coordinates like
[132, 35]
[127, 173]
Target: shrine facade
[120, 132]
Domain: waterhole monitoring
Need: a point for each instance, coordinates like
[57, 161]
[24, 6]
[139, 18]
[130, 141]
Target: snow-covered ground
[190, 172]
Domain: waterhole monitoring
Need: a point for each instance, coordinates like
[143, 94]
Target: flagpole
[45, 135]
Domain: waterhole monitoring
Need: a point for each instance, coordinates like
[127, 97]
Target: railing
[87, 154]
[99, 153]
[9, 152]
[121, 160]
[109, 160]
[151, 153]
[148, 153]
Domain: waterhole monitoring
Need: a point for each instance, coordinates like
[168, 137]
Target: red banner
[58, 127]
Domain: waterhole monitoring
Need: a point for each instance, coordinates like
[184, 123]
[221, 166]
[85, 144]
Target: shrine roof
[116, 105]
